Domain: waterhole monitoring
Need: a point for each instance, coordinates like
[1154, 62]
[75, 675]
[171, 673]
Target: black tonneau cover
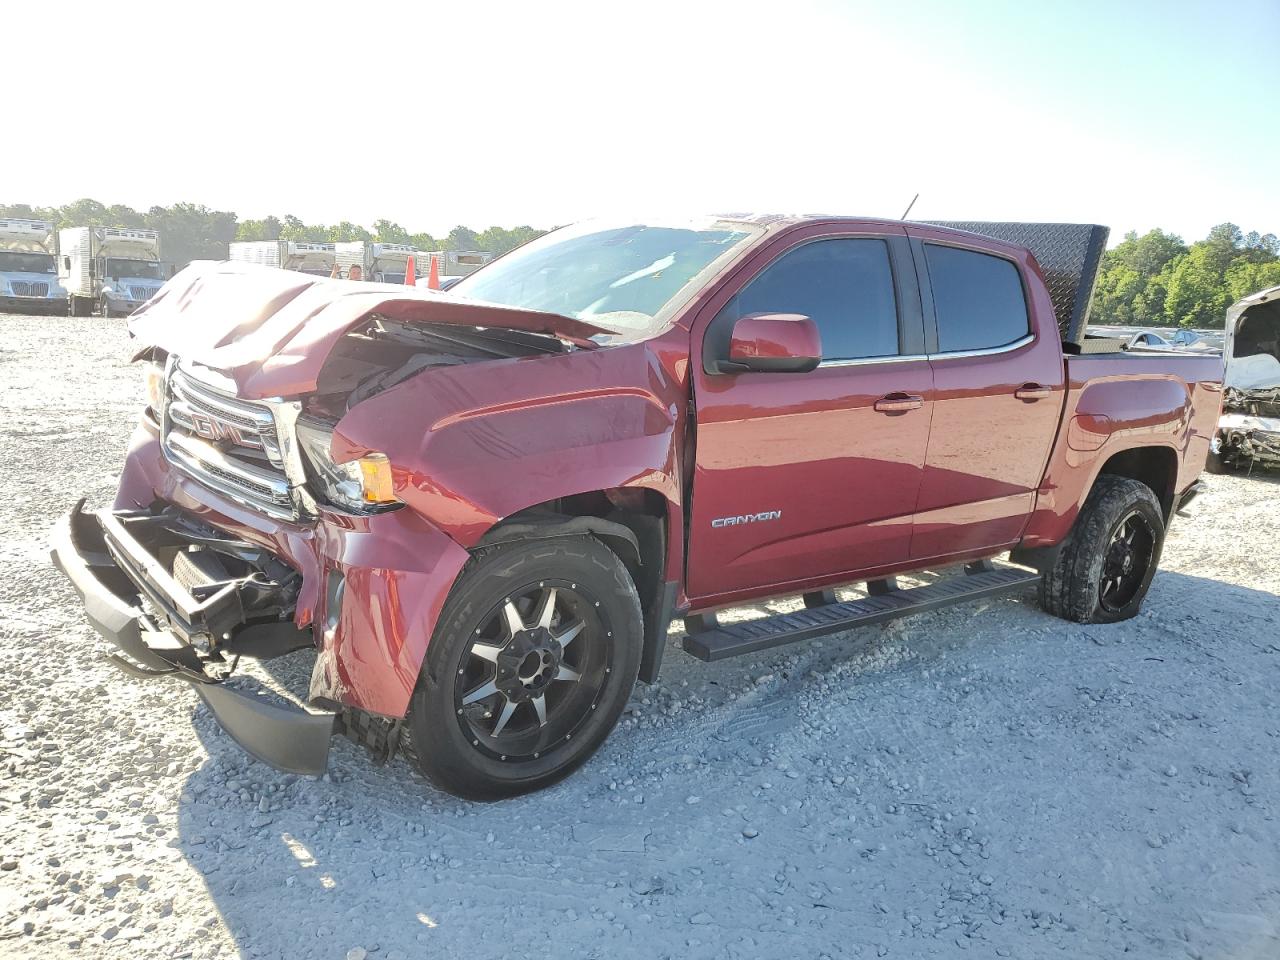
[1068, 253]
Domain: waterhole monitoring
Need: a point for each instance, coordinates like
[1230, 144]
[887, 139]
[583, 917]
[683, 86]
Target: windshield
[133, 269]
[628, 279]
[11, 262]
[391, 277]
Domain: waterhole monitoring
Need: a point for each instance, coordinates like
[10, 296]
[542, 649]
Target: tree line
[1150, 280]
[191, 231]
[1156, 280]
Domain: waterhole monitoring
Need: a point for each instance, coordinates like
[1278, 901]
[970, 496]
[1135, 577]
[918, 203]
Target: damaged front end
[182, 600]
[247, 524]
[1249, 429]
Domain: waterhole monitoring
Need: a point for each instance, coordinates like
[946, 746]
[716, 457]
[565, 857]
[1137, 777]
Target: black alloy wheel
[534, 672]
[1127, 560]
[531, 663]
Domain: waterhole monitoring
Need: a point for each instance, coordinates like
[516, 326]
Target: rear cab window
[978, 299]
[844, 285]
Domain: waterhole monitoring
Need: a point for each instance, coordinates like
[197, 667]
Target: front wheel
[1105, 566]
[530, 666]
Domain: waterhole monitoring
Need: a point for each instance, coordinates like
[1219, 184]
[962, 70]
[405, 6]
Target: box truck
[111, 269]
[316, 259]
[29, 267]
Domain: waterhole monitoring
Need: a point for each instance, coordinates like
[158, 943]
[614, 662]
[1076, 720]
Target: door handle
[898, 403]
[1032, 391]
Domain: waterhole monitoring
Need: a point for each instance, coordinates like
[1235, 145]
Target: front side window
[977, 299]
[845, 286]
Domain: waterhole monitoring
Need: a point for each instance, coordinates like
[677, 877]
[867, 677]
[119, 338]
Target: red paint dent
[492, 439]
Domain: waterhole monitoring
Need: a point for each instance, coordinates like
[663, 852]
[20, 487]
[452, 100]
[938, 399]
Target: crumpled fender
[271, 330]
[474, 443]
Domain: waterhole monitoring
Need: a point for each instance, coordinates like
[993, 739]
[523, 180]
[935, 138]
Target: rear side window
[977, 298]
[845, 286]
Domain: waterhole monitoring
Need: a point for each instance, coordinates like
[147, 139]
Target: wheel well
[1157, 467]
[632, 522]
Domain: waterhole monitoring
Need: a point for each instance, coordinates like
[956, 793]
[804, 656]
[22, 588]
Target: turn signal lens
[154, 378]
[375, 479]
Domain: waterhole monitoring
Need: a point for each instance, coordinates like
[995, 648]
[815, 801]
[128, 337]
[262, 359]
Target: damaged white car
[1249, 430]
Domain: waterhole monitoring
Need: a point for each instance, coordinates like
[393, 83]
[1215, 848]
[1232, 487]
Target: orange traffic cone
[410, 277]
[433, 275]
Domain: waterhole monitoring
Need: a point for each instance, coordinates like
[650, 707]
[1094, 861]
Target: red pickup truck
[483, 509]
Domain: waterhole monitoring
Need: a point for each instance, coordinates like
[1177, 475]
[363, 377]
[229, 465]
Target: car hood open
[271, 330]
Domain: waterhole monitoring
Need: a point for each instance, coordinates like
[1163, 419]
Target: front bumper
[1246, 437]
[121, 583]
[33, 305]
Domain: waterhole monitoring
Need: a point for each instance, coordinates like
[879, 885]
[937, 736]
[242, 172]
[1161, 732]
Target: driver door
[805, 478]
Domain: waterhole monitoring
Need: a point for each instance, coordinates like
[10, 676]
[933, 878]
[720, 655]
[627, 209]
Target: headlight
[363, 485]
[153, 377]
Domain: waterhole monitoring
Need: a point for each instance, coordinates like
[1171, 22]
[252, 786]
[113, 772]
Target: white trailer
[112, 269]
[378, 262]
[316, 259]
[455, 263]
[29, 267]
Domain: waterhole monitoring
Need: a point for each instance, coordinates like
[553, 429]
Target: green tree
[462, 238]
[388, 231]
[1197, 294]
[424, 241]
[268, 228]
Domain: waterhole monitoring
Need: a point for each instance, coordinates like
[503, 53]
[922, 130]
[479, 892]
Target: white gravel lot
[984, 780]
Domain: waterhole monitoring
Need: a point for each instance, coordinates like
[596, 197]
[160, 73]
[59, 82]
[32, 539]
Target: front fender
[473, 444]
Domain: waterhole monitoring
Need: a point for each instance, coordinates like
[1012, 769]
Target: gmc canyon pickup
[483, 509]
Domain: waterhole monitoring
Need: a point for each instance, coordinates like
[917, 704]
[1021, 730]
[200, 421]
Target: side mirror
[773, 343]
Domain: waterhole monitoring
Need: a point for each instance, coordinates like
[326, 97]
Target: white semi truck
[316, 259]
[29, 267]
[379, 262]
[113, 270]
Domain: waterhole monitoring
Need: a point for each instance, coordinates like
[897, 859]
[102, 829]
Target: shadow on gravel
[374, 858]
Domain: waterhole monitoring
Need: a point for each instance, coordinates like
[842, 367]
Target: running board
[752, 636]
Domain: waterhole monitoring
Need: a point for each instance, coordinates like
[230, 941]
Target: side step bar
[752, 636]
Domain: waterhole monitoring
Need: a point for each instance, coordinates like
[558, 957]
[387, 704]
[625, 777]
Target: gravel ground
[1002, 784]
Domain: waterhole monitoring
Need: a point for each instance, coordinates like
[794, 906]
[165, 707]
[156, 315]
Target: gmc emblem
[211, 429]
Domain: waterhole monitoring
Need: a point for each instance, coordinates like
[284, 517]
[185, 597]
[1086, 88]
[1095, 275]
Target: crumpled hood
[271, 330]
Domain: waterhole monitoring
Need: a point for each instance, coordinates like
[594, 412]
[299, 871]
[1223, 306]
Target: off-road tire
[435, 738]
[1071, 587]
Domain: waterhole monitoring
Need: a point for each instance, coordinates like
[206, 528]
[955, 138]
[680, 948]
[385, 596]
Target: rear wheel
[530, 666]
[1105, 566]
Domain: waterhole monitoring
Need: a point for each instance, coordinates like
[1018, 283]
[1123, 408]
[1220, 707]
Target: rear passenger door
[998, 389]
[802, 476]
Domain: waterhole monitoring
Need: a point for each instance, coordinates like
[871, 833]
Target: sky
[1134, 114]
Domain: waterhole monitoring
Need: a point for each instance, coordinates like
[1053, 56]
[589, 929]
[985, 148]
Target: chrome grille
[228, 444]
[29, 288]
[141, 293]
